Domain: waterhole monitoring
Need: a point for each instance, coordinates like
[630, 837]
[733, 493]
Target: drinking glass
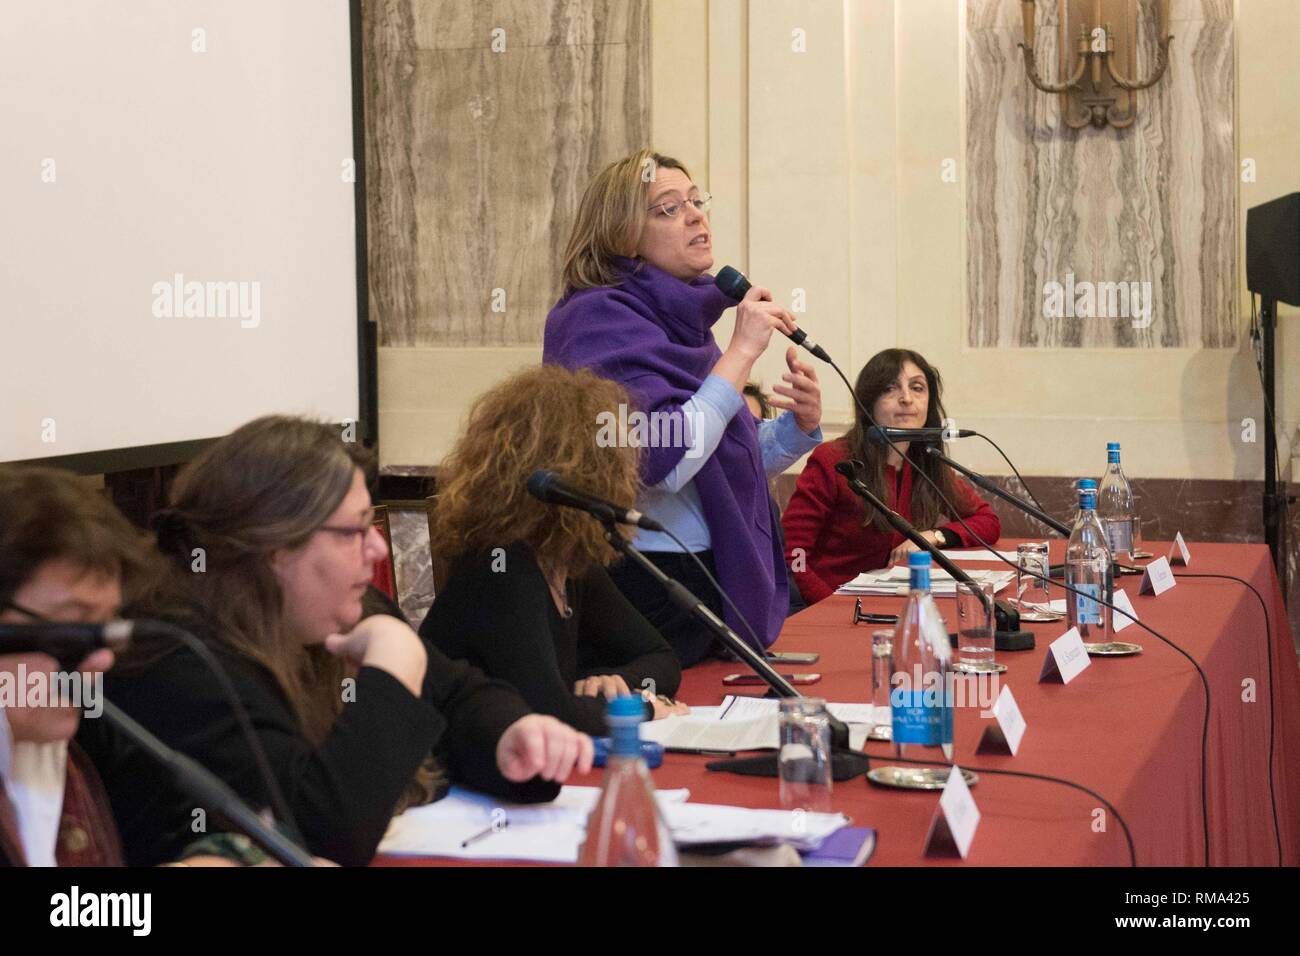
[804, 758]
[975, 630]
[1033, 594]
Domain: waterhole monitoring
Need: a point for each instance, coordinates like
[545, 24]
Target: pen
[485, 832]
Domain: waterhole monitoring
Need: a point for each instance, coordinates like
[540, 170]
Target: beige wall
[837, 190]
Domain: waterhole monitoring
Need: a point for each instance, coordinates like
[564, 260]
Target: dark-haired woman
[830, 536]
[271, 542]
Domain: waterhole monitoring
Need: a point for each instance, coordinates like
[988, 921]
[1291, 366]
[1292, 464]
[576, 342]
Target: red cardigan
[824, 519]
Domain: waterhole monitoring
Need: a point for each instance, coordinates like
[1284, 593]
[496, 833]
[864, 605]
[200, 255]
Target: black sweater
[497, 613]
[341, 793]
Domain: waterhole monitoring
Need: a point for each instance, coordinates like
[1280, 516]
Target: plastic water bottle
[1115, 505]
[625, 827]
[920, 701]
[1087, 570]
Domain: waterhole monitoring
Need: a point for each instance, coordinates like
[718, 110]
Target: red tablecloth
[1128, 728]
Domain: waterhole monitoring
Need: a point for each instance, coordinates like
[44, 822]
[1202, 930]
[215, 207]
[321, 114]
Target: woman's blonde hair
[543, 417]
[611, 215]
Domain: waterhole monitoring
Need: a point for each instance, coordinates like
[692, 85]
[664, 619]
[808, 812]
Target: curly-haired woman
[527, 598]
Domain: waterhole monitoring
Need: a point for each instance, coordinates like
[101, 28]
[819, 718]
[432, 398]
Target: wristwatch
[945, 538]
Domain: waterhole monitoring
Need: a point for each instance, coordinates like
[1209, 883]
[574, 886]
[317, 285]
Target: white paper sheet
[552, 833]
[894, 581]
[745, 723]
[980, 554]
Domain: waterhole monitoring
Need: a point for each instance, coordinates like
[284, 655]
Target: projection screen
[179, 224]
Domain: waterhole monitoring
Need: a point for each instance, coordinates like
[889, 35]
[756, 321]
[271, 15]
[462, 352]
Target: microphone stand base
[916, 778]
[1013, 641]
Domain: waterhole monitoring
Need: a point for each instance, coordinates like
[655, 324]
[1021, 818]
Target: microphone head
[732, 283]
[541, 482]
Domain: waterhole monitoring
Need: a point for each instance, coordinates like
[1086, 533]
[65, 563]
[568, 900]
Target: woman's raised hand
[757, 317]
[387, 643]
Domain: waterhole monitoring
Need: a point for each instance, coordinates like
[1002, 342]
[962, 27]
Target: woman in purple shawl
[639, 307]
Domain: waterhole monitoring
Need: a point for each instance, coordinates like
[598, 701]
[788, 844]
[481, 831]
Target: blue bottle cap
[628, 705]
[1112, 446]
[1087, 484]
[918, 559]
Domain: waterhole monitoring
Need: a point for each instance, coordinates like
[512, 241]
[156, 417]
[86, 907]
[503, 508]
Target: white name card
[1066, 658]
[1178, 551]
[953, 826]
[1122, 603]
[1004, 734]
[1157, 578]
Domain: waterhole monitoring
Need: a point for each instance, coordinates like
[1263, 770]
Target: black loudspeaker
[1273, 249]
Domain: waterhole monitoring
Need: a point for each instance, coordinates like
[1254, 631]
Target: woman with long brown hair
[830, 534]
[527, 597]
[271, 544]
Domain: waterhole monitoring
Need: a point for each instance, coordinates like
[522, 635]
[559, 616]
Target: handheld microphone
[880, 435]
[545, 485]
[69, 644]
[734, 285]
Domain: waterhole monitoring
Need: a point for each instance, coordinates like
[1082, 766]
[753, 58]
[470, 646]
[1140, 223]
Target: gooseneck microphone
[734, 285]
[545, 485]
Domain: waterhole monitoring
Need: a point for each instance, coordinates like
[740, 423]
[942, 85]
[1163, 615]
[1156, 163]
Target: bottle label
[920, 716]
[1119, 535]
[1086, 609]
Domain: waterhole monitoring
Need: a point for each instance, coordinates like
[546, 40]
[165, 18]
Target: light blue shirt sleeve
[783, 442]
[705, 415]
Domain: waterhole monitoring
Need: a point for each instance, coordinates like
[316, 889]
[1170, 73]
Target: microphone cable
[1268, 640]
[1032, 497]
[1128, 837]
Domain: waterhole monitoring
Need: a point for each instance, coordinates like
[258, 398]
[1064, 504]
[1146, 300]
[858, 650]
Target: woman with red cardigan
[830, 535]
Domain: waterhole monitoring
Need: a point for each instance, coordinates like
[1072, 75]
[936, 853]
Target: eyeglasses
[350, 532]
[15, 606]
[671, 207]
[870, 617]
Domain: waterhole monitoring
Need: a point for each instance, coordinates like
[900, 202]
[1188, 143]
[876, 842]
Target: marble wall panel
[484, 122]
[1154, 203]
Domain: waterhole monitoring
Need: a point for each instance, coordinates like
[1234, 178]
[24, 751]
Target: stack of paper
[942, 584]
[748, 723]
[553, 832]
[981, 554]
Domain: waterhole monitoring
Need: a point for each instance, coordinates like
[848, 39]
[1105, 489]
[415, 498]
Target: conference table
[1128, 728]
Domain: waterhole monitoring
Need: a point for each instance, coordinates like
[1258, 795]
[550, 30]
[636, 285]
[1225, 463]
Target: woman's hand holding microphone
[757, 317]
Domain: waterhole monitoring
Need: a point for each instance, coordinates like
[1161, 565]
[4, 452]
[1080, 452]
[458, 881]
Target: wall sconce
[1107, 96]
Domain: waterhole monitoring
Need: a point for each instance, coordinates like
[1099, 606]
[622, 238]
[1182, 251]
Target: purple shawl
[651, 333]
